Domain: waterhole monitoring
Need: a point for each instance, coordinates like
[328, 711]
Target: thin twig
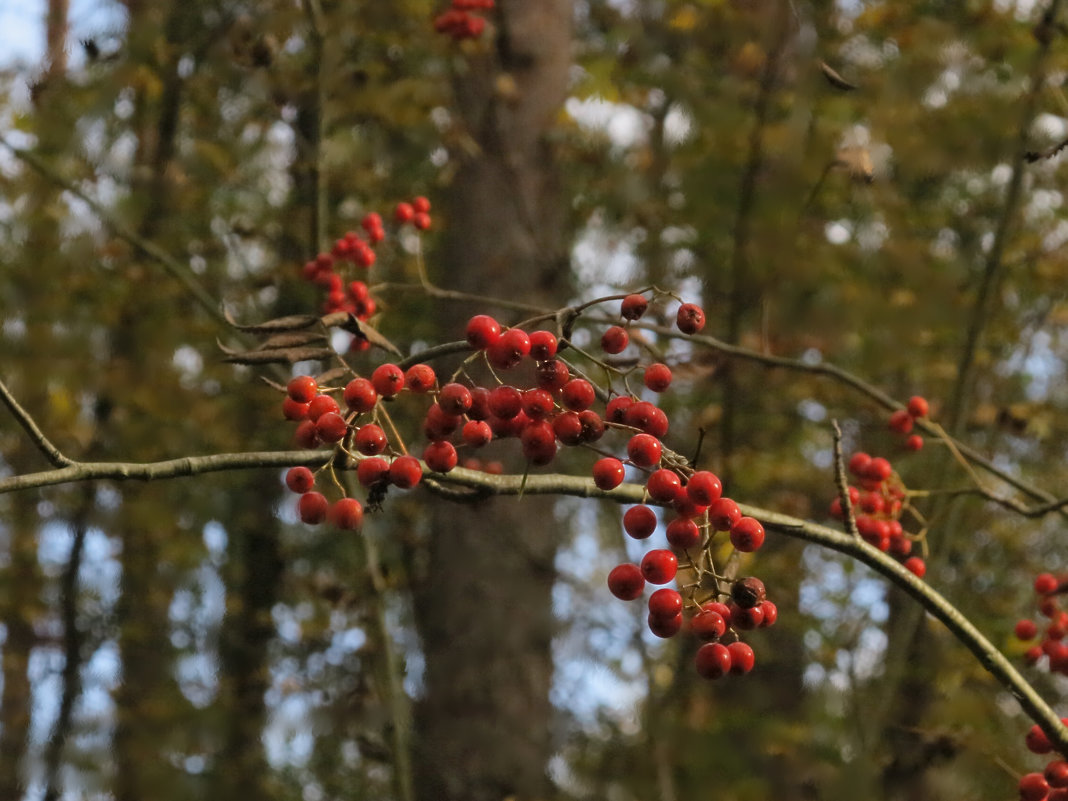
[841, 483]
[51, 452]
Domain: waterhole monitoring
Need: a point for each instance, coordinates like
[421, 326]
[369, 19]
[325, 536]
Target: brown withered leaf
[836, 80]
[365, 331]
[293, 340]
[279, 356]
[293, 322]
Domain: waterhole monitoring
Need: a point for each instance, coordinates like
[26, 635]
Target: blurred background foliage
[190, 640]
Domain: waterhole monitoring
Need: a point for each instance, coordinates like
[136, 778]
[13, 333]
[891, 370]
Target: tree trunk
[484, 611]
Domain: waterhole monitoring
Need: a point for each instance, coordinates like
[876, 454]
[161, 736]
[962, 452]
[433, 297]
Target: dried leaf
[294, 322]
[292, 340]
[279, 356]
[364, 331]
[836, 80]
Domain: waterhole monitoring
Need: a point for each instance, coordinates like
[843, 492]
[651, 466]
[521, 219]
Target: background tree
[186, 638]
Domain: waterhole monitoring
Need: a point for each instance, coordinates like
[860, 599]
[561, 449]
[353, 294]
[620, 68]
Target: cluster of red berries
[1052, 645]
[878, 505]
[1052, 783]
[558, 408]
[417, 212]
[902, 421]
[458, 21]
[355, 249]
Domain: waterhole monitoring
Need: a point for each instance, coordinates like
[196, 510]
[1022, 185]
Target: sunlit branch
[556, 484]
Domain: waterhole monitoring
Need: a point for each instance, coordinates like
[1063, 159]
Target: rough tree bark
[483, 608]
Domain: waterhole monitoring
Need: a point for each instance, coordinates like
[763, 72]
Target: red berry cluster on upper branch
[458, 21]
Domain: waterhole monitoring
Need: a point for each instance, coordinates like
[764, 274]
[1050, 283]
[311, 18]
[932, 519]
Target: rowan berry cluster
[902, 421]
[1052, 783]
[328, 269]
[878, 503]
[458, 21]
[1047, 588]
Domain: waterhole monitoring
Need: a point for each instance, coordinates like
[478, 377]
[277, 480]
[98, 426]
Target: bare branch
[42, 442]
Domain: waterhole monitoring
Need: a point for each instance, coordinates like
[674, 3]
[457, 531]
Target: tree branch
[23, 418]
[555, 484]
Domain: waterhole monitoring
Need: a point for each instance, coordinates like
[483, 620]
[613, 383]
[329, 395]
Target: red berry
[770, 612]
[657, 377]
[742, 658]
[858, 464]
[477, 433]
[704, 488]
[665, 626]
[405, 472]
[626, 582]
[302, 388]
[346, 514]
[440, 456]
[646, 417]
[320, 405]
[659, 566]
[901, 422]
[420, 378]
[683, 533]
[592, 425]
[614, 340]
[420, 205]
[746, 619]
[723, 514]
[312, 508]
[748, 592]
[438, 424]
[568, 428]
[421, 220]
[539, 442]
[292, 410]
[371, 471]
[578, 394]
[306, 435]
[300, 479]
[482, 331]
[371, 221]
[388, 380]
[633, 307]
[747, 534]
[1045, 583]
[537, 403]
[455, 399]
[916, 565]
[644, 450]
[331, 427]
[509, 350]
[665, 603]
[552, 375]
[690, 318]
[879, 469]
[615, 411]
[542, 345]
[914, 443]
[1033, 787]
[918, 406]
[708, 625]
[713, 660]
[1025, 630]
[403, 213]
[505, 402]
[663, 486]
[360, 395]
[1056, 773]
[608, 473]
[371, 440]
[639, 522]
